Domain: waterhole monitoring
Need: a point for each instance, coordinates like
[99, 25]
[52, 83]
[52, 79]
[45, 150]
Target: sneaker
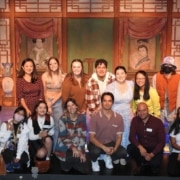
[123, 162]
[101, 157]
[47, 158]
[116, 161]
[16, 165]
[95, 166]
[108, 161]
[9, 168]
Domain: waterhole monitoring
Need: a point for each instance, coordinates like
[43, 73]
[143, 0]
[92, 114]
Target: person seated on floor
[41, 130]
[14, 141]
[147, 137]
[174, 157]
[70, 148]
[105, 135]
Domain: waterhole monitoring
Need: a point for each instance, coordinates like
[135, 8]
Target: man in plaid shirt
[96, 86]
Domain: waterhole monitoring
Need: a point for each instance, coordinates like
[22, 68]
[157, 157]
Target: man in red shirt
[147, 137]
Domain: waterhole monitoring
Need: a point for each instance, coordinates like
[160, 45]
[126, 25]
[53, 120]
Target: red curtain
[142, 28]
[37, 28]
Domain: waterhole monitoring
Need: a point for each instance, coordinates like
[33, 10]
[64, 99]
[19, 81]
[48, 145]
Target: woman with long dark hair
[143, 92]
[29, 87]
[41, 130]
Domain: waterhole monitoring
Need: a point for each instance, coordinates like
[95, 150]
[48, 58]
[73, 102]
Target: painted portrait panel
[40, 50]
[142, 54]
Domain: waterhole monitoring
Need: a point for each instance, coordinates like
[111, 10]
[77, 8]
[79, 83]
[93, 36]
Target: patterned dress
[31, 92]
[122, 106]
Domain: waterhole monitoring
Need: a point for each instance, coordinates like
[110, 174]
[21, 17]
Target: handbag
[43, 166]
[2, 166]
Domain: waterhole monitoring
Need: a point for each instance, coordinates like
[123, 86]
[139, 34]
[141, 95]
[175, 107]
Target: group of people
[60, 113]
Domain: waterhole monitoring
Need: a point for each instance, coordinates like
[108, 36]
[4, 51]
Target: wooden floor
[7, 112]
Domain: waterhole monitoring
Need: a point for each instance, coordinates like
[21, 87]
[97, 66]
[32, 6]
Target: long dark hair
[176, 124]
[34, 75]
[34, 114]
[146, 95]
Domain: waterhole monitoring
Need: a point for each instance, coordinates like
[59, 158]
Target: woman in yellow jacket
[143, 92]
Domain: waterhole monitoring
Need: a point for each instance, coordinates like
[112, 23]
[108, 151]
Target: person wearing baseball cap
[167, 83]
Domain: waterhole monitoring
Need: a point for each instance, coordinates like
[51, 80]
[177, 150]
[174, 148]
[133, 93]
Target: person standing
[74, 85]
[143, 92]
[29, 87]
[147, 137]
[52, 82]
[105, 134]
[96, 85]
[167, 83]
[122, 89]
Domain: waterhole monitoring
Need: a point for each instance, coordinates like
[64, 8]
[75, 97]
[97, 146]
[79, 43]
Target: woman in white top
[41, 130]
[14, 141]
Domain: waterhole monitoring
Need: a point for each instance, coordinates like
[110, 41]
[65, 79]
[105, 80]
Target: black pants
[75, 163]
[9, 155]
[134, 153]
[173, 165]
[95, 152]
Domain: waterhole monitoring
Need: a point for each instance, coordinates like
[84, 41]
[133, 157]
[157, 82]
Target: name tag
[148, 129]
[114, 125]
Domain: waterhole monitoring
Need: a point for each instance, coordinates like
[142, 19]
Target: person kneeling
[14, 141]
[41, 126]
[70, 148]
[105, 134]
[147, 137]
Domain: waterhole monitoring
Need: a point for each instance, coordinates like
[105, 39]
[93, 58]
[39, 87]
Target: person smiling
[143, 92]
[70, 148]
[29, 87]
[147, 137]
[41, 130]
[74, 85]
[52, 82]
[122, 90]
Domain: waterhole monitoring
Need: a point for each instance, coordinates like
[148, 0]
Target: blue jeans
[57, 112]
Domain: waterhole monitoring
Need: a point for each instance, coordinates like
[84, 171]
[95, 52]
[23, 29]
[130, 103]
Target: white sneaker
[108, 161]
[95, 166]
[116, 161]
[123, 162]
[101, 157]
